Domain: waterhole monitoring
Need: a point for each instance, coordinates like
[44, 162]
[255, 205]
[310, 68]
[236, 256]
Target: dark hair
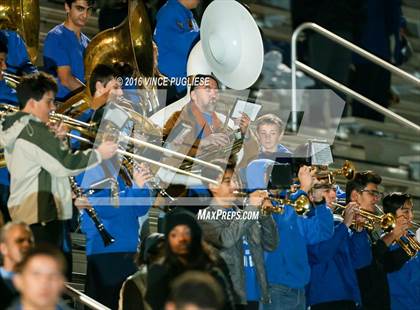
[360, 181]
[102, 73]
[3, 47]
[35, 86]
[43, 249]
[200, 256]
[270, 119]
[392, 202]
[196, 288]
[202, 79]
[70, 2]
[213, 174]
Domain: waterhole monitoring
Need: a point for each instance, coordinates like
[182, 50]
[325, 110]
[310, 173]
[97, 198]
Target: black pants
[374, 83]
[334, 305]
[251, 305]
[51, 233]
[106, 274]
[4, 196]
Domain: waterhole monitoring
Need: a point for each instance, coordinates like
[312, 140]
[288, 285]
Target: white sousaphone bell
[230, 48]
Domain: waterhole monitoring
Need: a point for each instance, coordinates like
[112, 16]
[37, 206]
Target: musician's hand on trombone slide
[107, 149]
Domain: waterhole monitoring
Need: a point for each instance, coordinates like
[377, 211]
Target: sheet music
[242, 106]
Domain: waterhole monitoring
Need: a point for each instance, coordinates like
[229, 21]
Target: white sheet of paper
[242, 106]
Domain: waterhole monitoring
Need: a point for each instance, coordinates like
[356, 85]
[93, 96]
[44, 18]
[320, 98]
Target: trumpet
[410, 245]
[302, 205]
[348, 171]
[387, 221]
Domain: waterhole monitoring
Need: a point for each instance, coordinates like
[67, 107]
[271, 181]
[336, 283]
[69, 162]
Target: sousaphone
[22, 16]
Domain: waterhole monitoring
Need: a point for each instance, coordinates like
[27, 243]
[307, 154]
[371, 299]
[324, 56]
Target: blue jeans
[286, 298]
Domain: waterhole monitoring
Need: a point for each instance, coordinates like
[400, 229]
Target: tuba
[22, 16]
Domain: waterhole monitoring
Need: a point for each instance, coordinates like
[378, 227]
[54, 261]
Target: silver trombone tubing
[153, 162]
[174, 153]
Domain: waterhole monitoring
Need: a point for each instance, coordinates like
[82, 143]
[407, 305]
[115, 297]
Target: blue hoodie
[121, 222]
[288, 264]
[404, 285]
[333, 263]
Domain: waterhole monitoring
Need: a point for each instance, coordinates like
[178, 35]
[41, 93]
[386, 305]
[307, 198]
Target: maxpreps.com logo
[220, 214]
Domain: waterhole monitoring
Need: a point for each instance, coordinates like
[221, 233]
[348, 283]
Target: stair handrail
[333, 83]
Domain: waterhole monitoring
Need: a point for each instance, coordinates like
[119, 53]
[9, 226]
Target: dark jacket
[7, 294]
[227, 236]
[372, 279]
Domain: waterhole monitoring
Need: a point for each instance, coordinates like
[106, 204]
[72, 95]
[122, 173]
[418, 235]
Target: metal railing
[84, 299]
[331, 82]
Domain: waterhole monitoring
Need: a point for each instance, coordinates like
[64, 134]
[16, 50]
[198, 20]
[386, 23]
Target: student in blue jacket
[333, 283]
[175, 34]
[372, 279]
[404, 284]
[120, 218]
[287, 266]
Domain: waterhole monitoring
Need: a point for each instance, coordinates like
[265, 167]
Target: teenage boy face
[78, 12]
[43, 107]
[228, 185]
[269, 136]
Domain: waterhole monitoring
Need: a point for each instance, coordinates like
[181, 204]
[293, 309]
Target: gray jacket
[227, 236]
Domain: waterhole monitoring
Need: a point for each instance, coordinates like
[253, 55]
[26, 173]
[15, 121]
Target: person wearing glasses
[65, 45]
[404, 284]
[372, 279]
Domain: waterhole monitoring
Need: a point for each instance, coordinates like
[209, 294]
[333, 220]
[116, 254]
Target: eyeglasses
[372, 192]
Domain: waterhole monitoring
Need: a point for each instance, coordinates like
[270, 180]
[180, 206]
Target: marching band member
[39, 163]
[287, 279]
[240, 240]
[372, 279]
[333, 283]
[199, 114]
[404, 284]
[270, 131]
[121, 219]
[64, 48]
[175, 34]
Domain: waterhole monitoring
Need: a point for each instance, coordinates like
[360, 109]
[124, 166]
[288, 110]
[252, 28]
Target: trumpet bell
[302, 205]
[348, 170]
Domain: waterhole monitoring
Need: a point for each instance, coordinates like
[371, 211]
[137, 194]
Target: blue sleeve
[55, 54]
[319, 227]
[141, 198]
[324, 251]
[18, 58]
[360, 249]
[168, 33]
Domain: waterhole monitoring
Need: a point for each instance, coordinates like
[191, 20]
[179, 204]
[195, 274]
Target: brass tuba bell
[22, 16]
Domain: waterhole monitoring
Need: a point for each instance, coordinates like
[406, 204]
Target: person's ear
[67, 8]
[3, 249]
[193, 95]
[354, 196]
[99, 88]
